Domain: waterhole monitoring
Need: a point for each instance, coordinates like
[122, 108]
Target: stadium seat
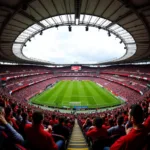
[8, 144]
[19, 147]
[100, 143]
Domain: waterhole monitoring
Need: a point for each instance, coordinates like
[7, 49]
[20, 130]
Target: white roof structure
[128, 20]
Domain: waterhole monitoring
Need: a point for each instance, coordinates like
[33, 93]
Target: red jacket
[133, 140]
[38, 138]
[95, 133]
[53, 122]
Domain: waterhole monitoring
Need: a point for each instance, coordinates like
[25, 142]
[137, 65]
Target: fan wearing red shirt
[36, 136]
[135, 138]
[53, 121]
[98, 131]
[9, 117]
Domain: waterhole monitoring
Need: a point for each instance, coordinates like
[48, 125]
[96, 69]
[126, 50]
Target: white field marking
[54, 100]
[94, 99]
[84, 103]
[105, 104]
[77, 96]
[62, 102]
[39, 100]
[44, 103]
[81, 101]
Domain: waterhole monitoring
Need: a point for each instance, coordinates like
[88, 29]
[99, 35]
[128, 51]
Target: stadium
[74, 74]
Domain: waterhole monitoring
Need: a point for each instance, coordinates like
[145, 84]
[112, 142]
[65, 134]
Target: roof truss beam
[7, 42]
[77, 8]
[120, 18]
[32, 18]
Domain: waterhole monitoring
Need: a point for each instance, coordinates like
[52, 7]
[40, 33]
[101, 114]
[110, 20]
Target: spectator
[98, 131]
[23, 123]
[44, 139]
[110, 124]
[87, 124]
[61, 129]
[18, 116]
[53, 121]
[125, 115]
[135, 138]
[119, 129]
[10, 118]
[67, 124]
[10, 132]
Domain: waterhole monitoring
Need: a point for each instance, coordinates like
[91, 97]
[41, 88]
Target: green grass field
[76, 93]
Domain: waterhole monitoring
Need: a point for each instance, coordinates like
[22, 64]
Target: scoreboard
[76, 68]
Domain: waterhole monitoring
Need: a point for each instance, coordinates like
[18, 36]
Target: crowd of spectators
[136, 69]
[26, 80]
[32, 90]
[130, 96]
[139, 85]
[31, 127]
[123, 128]
[75, 78]
[7, 70]
[80, 74]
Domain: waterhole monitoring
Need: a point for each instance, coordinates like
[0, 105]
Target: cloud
[61, 46]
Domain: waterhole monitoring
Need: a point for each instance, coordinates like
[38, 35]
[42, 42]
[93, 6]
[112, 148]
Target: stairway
[77, 140]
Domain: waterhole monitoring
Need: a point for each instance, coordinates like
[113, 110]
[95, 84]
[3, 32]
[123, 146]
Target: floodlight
[121, 41]
[86, 28]
[70, 28]
[41, 33]
[109, 33]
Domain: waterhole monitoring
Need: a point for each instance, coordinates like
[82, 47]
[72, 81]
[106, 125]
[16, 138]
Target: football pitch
[69, 94]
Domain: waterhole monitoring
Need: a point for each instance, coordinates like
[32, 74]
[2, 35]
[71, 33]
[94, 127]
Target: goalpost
[75, 104]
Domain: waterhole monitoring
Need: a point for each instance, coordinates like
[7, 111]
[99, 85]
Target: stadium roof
[20, 20]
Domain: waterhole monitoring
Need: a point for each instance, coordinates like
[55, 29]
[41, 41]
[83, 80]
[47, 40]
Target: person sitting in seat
[61, 129]
[23, 123]
[119, 129]
[97, 131]
[53, 121]
[87, 124]
[135, 136]
[8, 130]
[37, 137]
[9, 117]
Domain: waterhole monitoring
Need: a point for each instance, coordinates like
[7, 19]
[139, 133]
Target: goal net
[75, 103]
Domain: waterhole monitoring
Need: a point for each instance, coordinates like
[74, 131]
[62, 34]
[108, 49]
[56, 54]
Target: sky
[60, 46]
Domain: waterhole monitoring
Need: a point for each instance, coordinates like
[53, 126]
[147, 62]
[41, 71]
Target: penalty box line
[82, 102]
[94, 100]
[67, 102]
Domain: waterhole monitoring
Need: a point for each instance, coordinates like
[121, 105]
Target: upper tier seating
[18, 103]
